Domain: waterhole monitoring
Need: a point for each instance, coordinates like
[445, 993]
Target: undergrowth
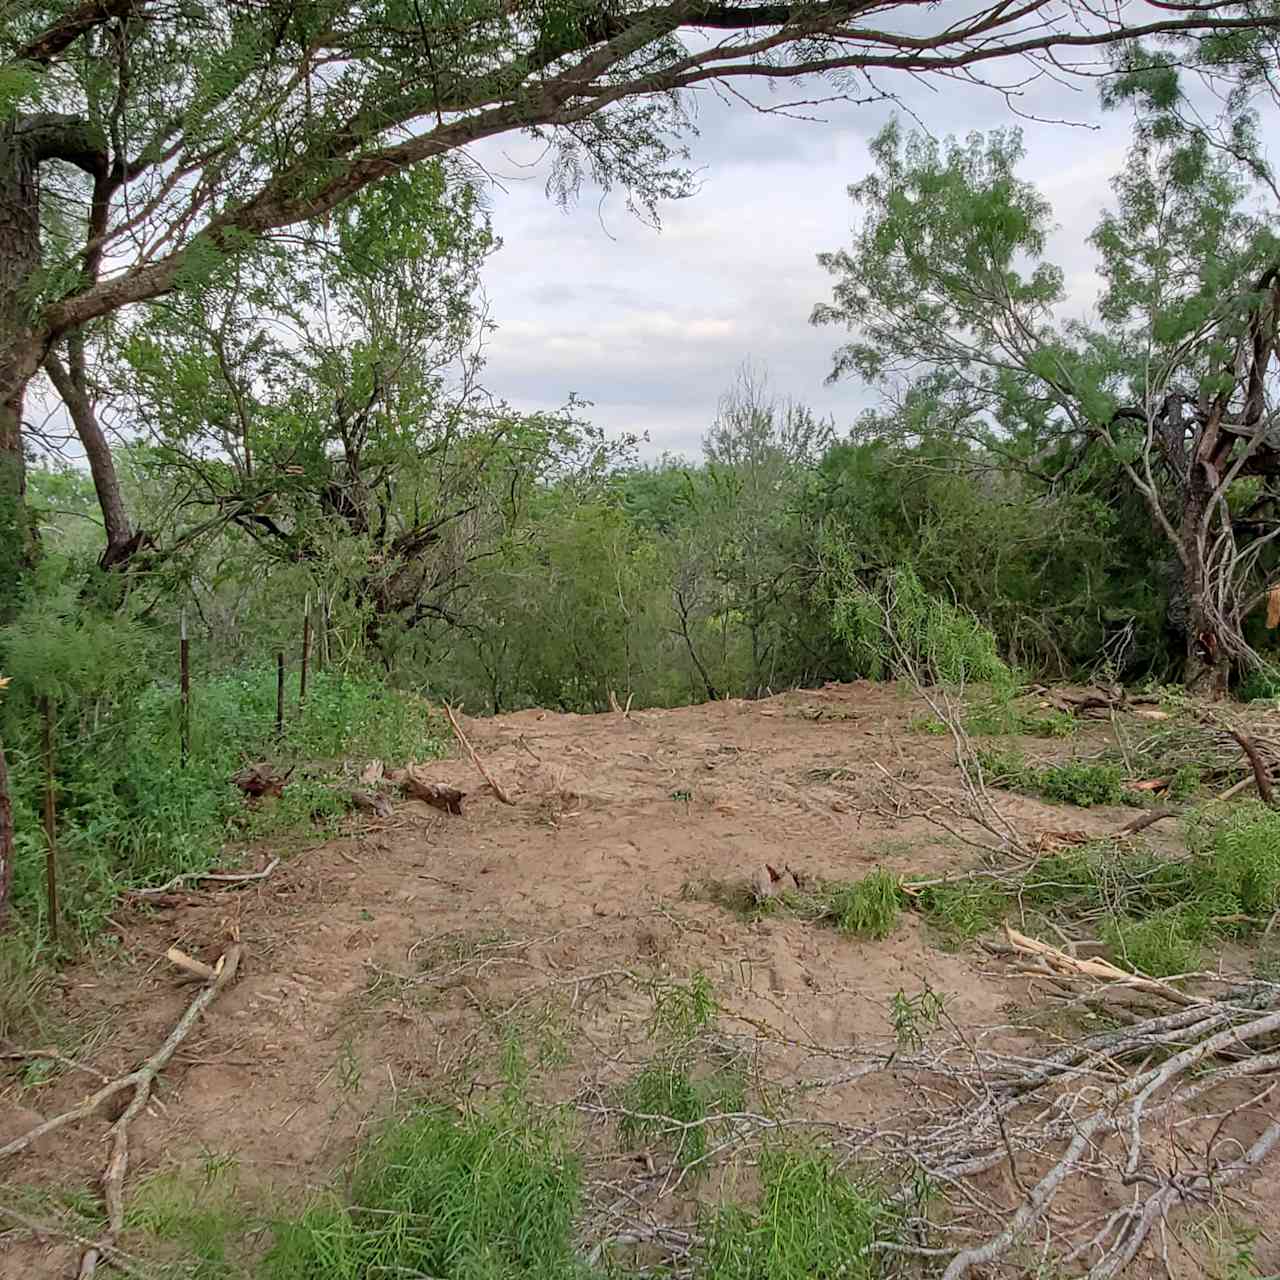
[1155, 912]
[809, 1220]
[488, 1196]
[130, 812]
[1077, 782]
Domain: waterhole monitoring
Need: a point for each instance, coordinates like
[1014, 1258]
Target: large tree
[142, 141]
[947, 291]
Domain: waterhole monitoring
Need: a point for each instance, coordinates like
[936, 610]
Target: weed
[866, 908]
[488, 1197]
[910, 1015]
[1160, 945]
[810, 1221]
[198, 1217]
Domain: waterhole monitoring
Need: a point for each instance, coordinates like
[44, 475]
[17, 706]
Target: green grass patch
[664, 1104]
[965, 909]
[1078, 782]
[486, 1197]
[131, 813]
[810, 1221]
[866, 908]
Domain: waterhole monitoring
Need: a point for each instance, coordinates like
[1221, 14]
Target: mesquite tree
[947, 290]
[142, 142]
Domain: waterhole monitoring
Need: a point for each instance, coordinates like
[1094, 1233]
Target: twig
[141, 1081]
[475, 759]
[216, 877]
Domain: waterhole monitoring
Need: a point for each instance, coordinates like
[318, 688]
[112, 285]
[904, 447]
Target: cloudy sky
[650, 325]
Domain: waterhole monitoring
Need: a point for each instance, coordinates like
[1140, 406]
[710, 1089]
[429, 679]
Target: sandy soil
[386, 964]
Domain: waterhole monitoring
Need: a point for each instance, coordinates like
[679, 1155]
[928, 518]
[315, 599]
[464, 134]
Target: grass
[490, 1196]
[1156, 913]
[810, 1221]
[664, 1104]
[131, 813]
[866, 908]
[1078, 782]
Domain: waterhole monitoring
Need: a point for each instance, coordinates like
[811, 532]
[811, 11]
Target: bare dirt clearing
[405, 959]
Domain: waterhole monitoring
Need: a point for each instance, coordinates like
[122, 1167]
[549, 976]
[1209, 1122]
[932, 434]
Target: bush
[130, 812]
[896, 626]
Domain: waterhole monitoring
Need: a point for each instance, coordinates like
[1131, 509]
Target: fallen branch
[141, 1081]
[1095, 967]
[195, 876]
[475, 759]
[436, 794]
[49, 1231]
[1261, 776]
[189, 964]
[1145, 820]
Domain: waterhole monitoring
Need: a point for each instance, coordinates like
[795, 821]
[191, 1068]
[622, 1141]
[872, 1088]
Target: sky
[650, 325]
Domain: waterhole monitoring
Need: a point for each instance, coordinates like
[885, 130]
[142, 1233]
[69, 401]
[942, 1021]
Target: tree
[1174, 389]
[757, 453]
[141, 144]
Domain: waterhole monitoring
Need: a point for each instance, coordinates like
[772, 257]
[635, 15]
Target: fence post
[306, 649]
[184, 668]
[280, 695]
[50, 821]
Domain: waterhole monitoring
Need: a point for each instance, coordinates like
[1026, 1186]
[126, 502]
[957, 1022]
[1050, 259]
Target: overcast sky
[650, 325]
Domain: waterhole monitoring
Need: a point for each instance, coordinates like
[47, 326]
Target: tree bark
[19, 255]
[72, 386]
[26, 141]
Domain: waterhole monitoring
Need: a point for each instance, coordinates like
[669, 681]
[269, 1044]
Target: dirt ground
[386, 964]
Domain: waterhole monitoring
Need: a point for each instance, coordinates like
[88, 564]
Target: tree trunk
[1208, 663]
[72, 386]
[19, 256]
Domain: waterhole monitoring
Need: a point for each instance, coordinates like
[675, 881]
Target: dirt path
[600, 867]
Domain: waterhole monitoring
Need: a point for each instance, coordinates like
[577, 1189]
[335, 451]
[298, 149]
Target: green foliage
[487, 1197]
[965, 909]
[664, 1103]
[1160, 945]
[1078, 782]
[130, 812]
[913, 1016]
[810, 1221]
[897, 627]
[866, 908]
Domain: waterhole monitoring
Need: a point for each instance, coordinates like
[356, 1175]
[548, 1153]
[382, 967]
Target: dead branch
[1098, 968]
[49, 1231]
[1260, 773]
[1145, 820]
[475, 759]
[141, 1081]
[371, 802]
[189, 964]
[214, 877]
[437, 794]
